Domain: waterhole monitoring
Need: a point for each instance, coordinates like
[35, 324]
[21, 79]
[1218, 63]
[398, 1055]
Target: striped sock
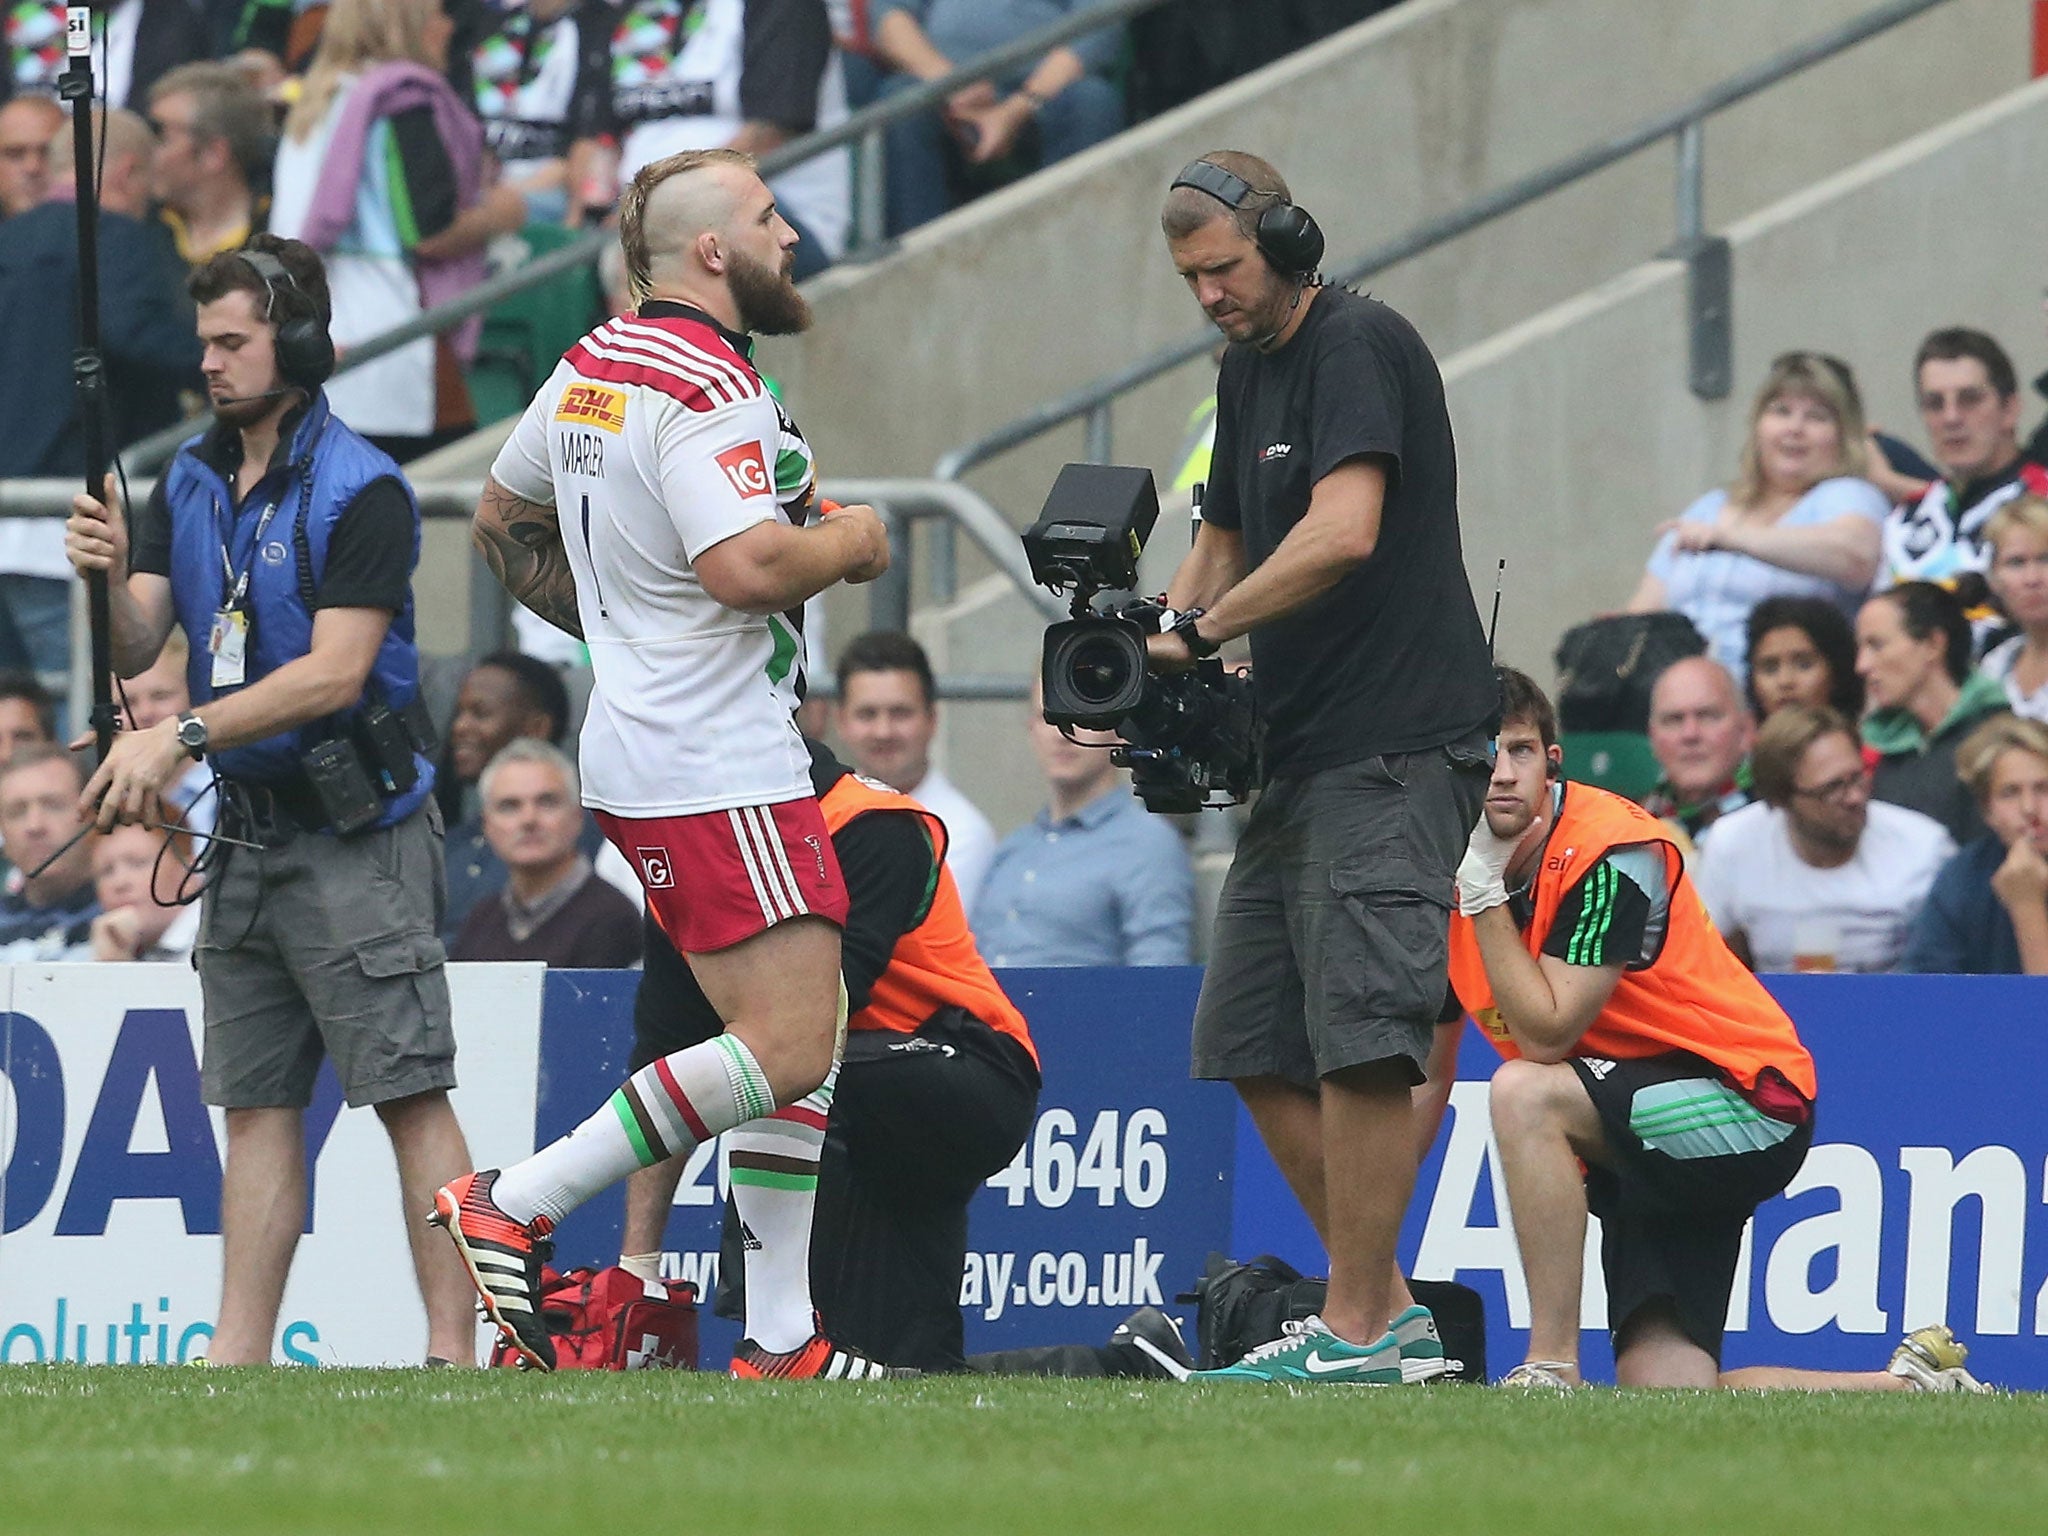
[662, 1111]
[774, 1175]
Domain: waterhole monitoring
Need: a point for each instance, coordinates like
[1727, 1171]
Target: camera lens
[1100, 670]
[1094, 672]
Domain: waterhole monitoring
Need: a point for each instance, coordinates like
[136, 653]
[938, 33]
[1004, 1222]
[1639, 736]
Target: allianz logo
[1834, 1264]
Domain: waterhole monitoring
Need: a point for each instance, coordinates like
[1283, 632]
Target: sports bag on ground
[609, 1320]
[1241, 1306]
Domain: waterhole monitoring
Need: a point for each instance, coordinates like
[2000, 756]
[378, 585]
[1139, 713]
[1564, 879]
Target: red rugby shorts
[723, 876]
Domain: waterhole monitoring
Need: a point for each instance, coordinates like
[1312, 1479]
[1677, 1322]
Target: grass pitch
[141, 1451]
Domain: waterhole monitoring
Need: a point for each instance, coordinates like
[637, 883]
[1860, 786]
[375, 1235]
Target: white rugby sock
[663, 1110]
[773, 1168]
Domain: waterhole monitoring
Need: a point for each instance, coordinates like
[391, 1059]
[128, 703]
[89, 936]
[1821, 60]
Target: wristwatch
[1184, 626]
[192, 735]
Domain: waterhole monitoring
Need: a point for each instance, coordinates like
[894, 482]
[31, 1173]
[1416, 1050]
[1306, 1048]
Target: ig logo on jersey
[654, 866]
[746, 470]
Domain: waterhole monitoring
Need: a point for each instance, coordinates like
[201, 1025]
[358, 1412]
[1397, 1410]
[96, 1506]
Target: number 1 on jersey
[591, 555]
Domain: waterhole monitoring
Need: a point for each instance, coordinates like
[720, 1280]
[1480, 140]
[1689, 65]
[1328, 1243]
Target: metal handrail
[901, 503]
[1682, 122]
[155, 450]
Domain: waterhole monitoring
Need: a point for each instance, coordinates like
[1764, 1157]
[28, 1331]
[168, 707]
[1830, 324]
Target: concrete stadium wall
[1577, 433]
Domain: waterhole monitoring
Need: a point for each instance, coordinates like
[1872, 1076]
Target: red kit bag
[609, 1320]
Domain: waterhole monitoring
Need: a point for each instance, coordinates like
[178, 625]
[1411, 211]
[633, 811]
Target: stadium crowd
[1863, 726]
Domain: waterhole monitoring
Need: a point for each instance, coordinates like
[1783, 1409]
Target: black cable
[91, 827]
[197, 870]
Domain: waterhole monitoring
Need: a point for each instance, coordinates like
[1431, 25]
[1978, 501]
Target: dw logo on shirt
[747, 470]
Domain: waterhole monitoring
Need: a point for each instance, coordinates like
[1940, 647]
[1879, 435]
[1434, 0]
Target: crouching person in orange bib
[1650, 1079]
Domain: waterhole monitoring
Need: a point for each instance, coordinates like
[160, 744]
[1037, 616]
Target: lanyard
[233, 588]
[236, 588]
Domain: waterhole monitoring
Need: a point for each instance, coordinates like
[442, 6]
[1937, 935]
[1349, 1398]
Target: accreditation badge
[229, 646]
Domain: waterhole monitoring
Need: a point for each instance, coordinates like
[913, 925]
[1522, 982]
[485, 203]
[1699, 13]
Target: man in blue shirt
[1093, 879]
[1060, 105]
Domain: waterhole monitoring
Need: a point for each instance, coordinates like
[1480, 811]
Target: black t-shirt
[369, 550]
[1393, 657]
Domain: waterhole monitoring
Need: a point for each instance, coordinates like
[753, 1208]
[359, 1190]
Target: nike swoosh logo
[1316, 1365]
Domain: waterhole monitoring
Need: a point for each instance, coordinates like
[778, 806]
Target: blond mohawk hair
[633, 208]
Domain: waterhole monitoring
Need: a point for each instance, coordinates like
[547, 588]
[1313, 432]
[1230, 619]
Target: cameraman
[283, 545]
[1330, 536]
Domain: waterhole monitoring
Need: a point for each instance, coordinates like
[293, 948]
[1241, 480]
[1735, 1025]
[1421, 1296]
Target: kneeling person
[1650, 1079]
[937, 1091]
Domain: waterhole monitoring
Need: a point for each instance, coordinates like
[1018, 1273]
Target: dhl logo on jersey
[594, 405]
[1489, 1019]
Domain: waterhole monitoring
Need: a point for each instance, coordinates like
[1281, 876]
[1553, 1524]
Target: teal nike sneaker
[1307, 1352]
[1422, 1351]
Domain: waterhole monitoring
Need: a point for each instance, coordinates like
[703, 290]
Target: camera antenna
[1500, 577]
[88, 367]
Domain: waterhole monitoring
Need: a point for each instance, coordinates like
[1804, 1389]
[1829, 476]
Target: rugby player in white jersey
[655, 501]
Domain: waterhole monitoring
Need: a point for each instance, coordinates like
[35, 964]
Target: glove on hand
[1482, 876]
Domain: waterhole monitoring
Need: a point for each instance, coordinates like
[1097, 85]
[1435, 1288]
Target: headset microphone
[268, 394]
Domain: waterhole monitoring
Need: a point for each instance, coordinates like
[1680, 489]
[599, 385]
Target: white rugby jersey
[655, 439]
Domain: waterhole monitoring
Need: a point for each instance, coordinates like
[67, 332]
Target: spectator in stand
[215, 135]
[537, 74]
[2017, 537]
[853, 34]
[1970, 401]
[888, 715]
[381, 171]
[504, 698]
[146, 335]
[1179, 52]
[1988, 912]
[1799, 520]
[1913, 654]
[49, 917]
[1094, 878]
[1700, 735]
[135, 41]
[1814, 877]
[27, 124]
[1802, 651]
[135, 879]
[553, 907]
[28, 715]
[1056, 107]
[749, 75]
[161, 694]
[266, 39]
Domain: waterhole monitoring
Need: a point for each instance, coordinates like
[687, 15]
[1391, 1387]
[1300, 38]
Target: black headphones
[305, 352]
[1287, 236]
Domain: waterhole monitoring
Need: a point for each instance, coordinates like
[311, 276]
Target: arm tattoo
[521, 541]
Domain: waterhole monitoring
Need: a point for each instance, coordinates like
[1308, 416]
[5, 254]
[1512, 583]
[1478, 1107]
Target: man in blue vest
[283, 544]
